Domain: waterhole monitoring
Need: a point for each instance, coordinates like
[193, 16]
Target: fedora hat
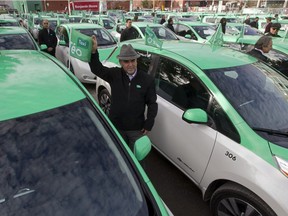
[127, 52]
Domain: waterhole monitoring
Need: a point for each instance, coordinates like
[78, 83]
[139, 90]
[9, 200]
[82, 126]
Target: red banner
[89, 6]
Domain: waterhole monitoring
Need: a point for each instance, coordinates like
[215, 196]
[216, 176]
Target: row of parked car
[221, 120]
[60, 154]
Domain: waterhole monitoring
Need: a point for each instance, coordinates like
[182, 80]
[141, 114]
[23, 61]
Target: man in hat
[274, 28]
[131, 89]
[268, 25]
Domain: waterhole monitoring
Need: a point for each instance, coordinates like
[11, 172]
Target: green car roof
[31, 82]
[12, 30]
[204, 56]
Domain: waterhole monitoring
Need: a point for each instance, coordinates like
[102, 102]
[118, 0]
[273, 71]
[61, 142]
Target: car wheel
[235, 200]
[104, 99]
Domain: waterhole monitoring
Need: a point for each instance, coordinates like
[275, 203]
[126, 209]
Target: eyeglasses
[128, 61]
[275, 29]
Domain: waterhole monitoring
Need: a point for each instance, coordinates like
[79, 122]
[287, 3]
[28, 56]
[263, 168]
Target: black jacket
[128, 34]
[129, 98]
[49, 39]
[170, 26]
[257, 54]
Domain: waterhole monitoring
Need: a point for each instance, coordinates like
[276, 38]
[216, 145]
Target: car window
[108, 24]
[16, 41]
[222, 122]
[204, 31]
[182, 30]
[103, 36]
[179, 86]
[161, 32]
[66, 161]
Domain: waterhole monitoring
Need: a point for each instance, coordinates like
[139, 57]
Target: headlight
[283, 165]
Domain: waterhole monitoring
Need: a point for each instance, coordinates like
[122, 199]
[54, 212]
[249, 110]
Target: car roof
[31, 82]
[81, 25]
[144, 24]
[12, 30]
[191, 23]
[203, 55]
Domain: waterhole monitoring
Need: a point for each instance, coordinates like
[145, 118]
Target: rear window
[16, 41]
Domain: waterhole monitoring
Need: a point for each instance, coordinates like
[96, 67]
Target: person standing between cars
[129, 32]
[223, 23]
[254, 23]
[262, 46]
[47, 36]
[131, 89]
[163, 20]
[274, 28]
[268, 25]
[170, 24]
[247, 20]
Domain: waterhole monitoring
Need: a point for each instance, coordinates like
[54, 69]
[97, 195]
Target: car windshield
[204, 31]
[108, 24]
[248, 30]
[66, 161]
[259, 94]
[53, 23]
[74, 19]
[103, 37]
[16, 42]
[161, 32]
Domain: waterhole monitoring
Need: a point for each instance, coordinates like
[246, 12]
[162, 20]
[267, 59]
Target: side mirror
[43, 47]
[188, 36]
[142, 147]
[198, 116]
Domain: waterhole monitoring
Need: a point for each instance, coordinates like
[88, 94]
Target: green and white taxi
[222, 121]
[60, 155]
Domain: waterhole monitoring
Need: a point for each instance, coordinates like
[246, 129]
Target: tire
[104, 99]
[234, 200]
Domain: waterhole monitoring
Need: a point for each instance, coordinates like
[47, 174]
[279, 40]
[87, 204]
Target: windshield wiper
[271, 132]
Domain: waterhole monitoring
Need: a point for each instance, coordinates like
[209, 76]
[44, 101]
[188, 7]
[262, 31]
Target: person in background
[262, 46]
[254, 23]
[170, 24]
[163, 19]
[135, 18]
[47, 36]
[223, 23]
[129, 32]
[132, 91]
[21, 23]
[274, 28]
[247, 20]
[268, 25]
[276, 17]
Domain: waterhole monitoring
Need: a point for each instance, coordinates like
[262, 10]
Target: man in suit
[47, 36]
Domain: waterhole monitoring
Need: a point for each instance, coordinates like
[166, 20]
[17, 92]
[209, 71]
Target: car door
[188, 146]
